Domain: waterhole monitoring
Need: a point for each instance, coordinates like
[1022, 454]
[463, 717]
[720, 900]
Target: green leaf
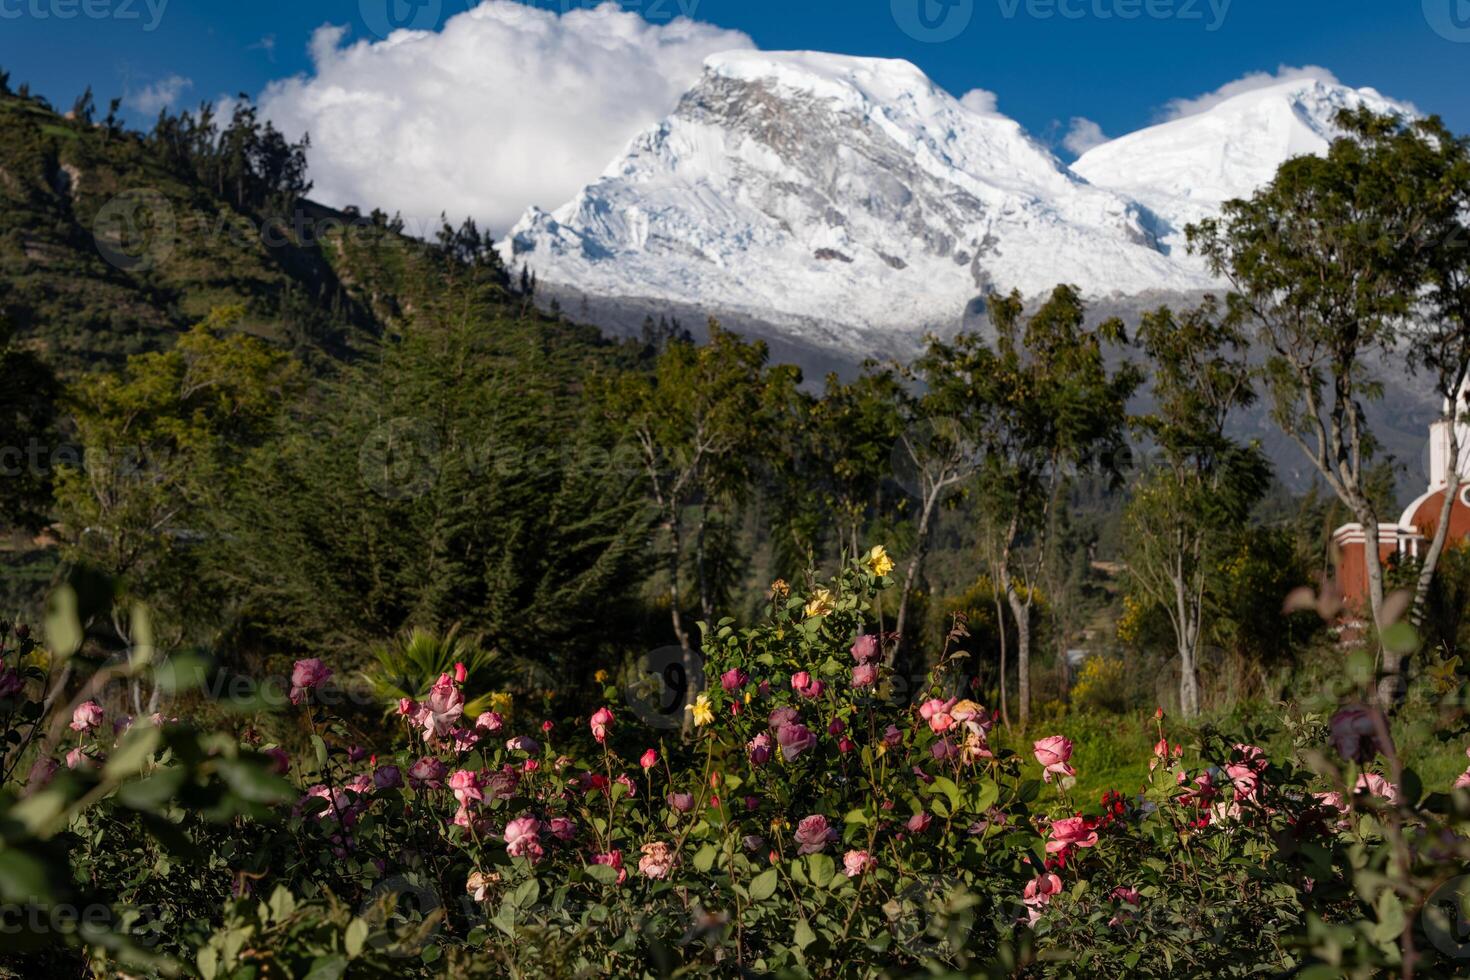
[704, 858]
[601, 873]
[327, 967]
[803, 936]
[822, 868]
[136, 748]
[764, 885]
[23, 877]
[154, 791]
[355, 938]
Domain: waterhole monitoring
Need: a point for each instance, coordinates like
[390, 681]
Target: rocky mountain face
[848, 205]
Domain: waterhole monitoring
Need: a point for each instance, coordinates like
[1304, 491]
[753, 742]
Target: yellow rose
[600, 677]
[878, 562]
[703, 714]
[821, 603]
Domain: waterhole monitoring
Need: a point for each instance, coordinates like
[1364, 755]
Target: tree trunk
[706, 604]
[1022, 612]
[1391, 687]
[1000, 624]
[1442, 530]
[921, 547]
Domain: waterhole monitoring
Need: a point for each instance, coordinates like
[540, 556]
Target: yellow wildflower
[600, 677]
[821, 603]
[500, 702]
[703, 714]
[779, 589]
[878, 562]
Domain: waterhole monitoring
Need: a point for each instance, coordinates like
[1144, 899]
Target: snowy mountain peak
[1186, 168]
[846, 201]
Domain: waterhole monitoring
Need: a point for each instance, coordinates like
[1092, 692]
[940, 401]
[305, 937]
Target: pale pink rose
[1246, 780]
[814, 834]
[657, 860]
[1039, 890]
[601, 723]
[307, 675]
[1332, 800]
[86, 717]
[474, 822]
[794, 740]
[439, 715]
[865, 649]
[523, 838]
[1375, 785]
[855, 863]
[477, 886]
[1070, 832]
[759, 749]
[489, 722]
[467, 787]
[1463, 780]
[361, 784]
[733, 680]
[1355, 734]
[864, 675]
[919, 822]
[427, 773]
[613, 859]
[784, 715]
[78, 758]
[1053, 753]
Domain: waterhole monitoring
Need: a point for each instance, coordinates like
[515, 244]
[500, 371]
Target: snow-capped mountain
[842, 199]
[851, 204]
[1185, 169]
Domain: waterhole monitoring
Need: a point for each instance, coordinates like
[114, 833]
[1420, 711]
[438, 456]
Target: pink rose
[855, 863]
[936, 713]
[407, 707]
[783, 716]
[759, 749]
[43, 770]
[919, 822]
[1039, 891]
[864, 675]
[427, 773]
[682, 802]
[489, 723]
[733, 680]
[307, 675]
[563, 828]
[794, 740]
[649, 760]
[523, 838]
[814, 834]
[441, 712]
[1053, 754]
[1463, 780]
[86, 718]
[460, 673]
[1070, 832]
[657, 860]
[79, 758]
[806, 685]
[387, 777]
[467, 787]
[601, 723]
[865, 649]
[1375, 785]
[612, 859]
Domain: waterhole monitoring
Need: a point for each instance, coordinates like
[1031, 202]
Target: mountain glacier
[851, 204]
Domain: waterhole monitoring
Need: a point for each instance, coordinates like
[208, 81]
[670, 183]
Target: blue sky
[1048, 60]
[519, 105]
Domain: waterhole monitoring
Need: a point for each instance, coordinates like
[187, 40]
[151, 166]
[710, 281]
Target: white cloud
[1083, 136]
[162, 94]
[1179, 108]
[980, 100]
[505, 107]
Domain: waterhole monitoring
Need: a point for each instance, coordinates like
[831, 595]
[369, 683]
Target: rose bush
[821, 818]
